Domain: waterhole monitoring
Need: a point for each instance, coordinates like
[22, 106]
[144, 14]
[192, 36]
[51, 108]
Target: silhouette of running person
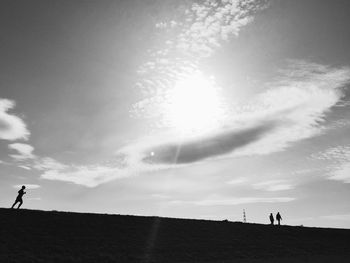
[271, 219]
[279, 218]
[19, 197]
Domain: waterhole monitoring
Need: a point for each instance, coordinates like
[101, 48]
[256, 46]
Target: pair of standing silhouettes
[278, 218]
[19, 197]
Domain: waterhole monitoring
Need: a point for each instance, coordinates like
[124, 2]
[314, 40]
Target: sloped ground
[38, 236]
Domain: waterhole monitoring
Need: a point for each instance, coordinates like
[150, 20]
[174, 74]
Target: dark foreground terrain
[38, 236]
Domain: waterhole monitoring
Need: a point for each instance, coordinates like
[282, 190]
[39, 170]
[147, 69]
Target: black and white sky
[195, 109]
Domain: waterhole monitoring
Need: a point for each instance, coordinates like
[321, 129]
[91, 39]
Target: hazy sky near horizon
[195, 109]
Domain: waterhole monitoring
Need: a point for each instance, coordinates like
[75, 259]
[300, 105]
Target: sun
[194, 104]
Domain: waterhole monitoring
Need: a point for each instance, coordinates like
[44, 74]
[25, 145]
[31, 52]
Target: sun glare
[194, 105]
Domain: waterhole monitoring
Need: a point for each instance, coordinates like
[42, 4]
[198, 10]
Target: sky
[186, 109]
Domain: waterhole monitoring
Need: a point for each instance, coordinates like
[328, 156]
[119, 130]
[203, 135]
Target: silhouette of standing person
[279, 218]
[271, 219]
[19, 197]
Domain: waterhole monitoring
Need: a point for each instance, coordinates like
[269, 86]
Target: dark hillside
[38, 236]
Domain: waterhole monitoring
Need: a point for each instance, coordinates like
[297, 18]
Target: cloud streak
[339, 168]
[211, 146]
[274, 185]
[25, 151]
[340, 173]
[89, 176]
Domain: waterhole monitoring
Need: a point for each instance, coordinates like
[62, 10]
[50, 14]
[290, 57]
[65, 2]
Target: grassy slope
[37, 236]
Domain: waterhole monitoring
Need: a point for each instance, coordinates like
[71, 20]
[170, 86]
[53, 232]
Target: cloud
[86, 175]
[299, 100]
[235, 201]
[28, 186]
[207, 23]
[239, 180]
[196, 35]
[51, 169]
[340, 173]
[25, 151]
[338, 124]
[47, 163]
[196, 150]
[338, 154]
[339, 167]
[24, 167]
[292, 108]
[89, 176]
[274, 185]
[11, 126]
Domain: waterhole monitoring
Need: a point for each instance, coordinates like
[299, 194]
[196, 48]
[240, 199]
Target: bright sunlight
[194, 105]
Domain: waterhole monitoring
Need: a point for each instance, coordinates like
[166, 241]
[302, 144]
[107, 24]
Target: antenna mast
[244, 217]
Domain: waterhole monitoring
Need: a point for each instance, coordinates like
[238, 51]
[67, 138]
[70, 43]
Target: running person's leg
[20, 203]
[14, 203]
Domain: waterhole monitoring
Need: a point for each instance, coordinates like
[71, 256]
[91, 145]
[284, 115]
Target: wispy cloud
[86, 175]
[235, 201]
[24, 167]
[339, 124]
[274, 185]
[206, 24]
[339, 167]
[11, 126]
[236, 181]
[200, 31]
[89, 176]
[25, 151]
[337, 154]
[47, 163]
[340, 173]
[292, 108]
[299, 100]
